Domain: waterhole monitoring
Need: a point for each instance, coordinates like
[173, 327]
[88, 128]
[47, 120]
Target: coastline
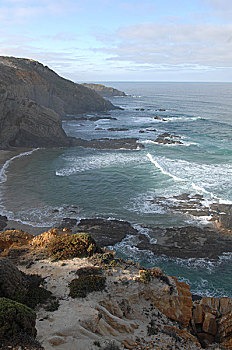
[6, 155]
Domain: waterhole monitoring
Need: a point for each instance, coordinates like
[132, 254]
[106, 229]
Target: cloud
[184, 44]
[220, 8]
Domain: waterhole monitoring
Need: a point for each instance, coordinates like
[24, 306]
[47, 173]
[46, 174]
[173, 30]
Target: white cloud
[184, 44]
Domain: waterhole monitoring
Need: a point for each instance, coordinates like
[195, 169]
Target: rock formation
[134, 309]
[104, 91]
[33, 98]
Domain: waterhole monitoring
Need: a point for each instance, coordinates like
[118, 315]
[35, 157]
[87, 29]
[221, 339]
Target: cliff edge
[33, 98]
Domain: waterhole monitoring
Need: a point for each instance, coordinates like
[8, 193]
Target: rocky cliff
[33, 98]
[104, 91]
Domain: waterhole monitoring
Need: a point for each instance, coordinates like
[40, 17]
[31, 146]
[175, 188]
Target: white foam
[3, 175]
[80, 164]
[203, 178]
[149, 156]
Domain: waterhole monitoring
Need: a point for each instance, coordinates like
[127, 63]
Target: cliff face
[33, 99]
[30, 79]
[104, 91]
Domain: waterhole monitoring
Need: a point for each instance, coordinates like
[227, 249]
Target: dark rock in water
[186, 242]
[117, 129]
[67, 223]
[141, 131]
[101, 118]
[106, 232]
[3, 222]
[161, 110]
[152, 130]
[167, 138]
[104, 91]
[106, 143]
[222, 214]
[99, 129]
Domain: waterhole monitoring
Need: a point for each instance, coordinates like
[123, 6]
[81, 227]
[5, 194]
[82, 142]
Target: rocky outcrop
[33, 99]
[106, 232]
[11, 239]
[104, 91]
[187, 242]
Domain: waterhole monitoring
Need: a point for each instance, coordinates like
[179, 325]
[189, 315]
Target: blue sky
[123, 40]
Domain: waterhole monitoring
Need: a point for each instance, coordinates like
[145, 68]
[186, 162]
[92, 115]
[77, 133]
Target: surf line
[3, 176]
[149, 156]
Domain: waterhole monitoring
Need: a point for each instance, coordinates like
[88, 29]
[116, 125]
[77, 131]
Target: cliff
[104, 91]
[33, 98]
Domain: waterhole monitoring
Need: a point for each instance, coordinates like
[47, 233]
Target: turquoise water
[46, 185]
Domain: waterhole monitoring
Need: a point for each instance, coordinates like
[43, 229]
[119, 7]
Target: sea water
[42, 186]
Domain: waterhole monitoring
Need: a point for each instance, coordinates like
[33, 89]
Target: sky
[122, 40]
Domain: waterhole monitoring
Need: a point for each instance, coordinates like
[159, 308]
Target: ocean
[42, 186]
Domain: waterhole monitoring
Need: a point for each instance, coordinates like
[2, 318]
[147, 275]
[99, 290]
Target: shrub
[89, 270]
[16, 318]
[106, 260]
[80, 287]
[144, 276]
[79, 245]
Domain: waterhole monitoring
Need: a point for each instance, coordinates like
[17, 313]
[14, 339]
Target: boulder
[209, 325]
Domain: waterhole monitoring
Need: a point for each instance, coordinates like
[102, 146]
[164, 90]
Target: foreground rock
[187, 242]
[33, 99]
[121, 306]
[104, 91]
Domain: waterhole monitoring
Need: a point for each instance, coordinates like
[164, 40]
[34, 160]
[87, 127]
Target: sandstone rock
[14, 239]
[225, 328]
[46, 237]
[198, 314]
[209, 324]
[205, 339]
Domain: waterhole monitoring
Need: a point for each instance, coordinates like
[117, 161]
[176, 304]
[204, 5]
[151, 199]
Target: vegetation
[89, 270]
[106, 260]
[80, 287]
[79, 245]
[16, 318]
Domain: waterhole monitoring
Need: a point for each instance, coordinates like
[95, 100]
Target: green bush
[144, 276]
[16, 318]
[89, 270]
[79, 245]
[80, 287]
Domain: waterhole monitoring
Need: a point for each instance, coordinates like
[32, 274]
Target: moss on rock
[79, 245]
[80, 287]
[16, 318]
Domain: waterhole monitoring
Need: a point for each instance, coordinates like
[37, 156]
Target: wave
[3, 175]
[184, 143]
[149, 156]
[199, 177]
[80, 164]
